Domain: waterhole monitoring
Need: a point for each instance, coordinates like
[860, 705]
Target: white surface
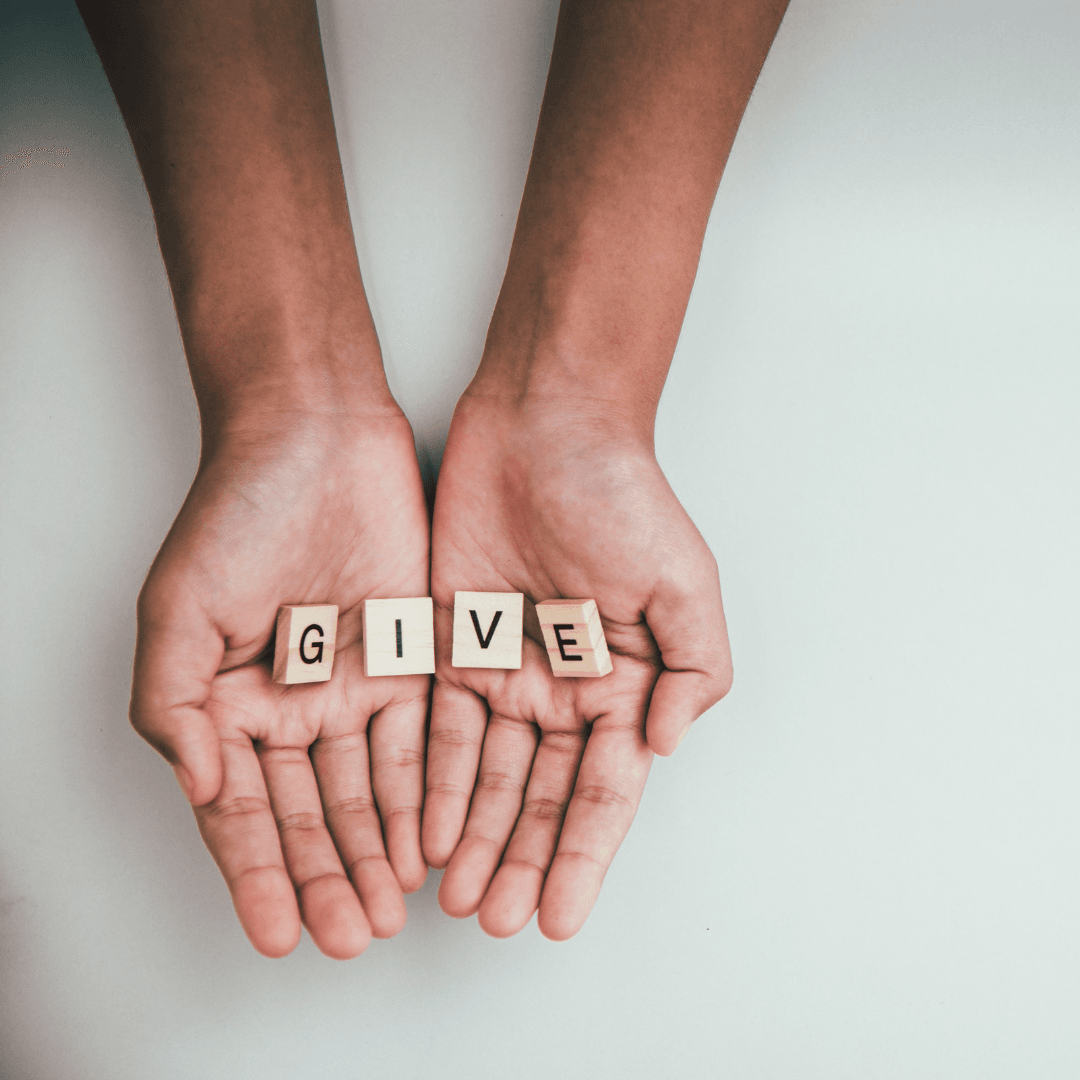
[864, 863]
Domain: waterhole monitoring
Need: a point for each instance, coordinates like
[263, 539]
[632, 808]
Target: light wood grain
[574, 637]
[304, 644]
[487, 630]
[399, 636]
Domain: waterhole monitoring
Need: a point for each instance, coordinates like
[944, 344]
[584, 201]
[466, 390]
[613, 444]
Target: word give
[399, 637]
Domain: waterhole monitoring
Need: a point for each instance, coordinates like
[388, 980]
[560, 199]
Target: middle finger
[507, 757]
[329, 906]
[514, 893]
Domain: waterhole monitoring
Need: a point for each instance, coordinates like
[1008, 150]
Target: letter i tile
[399, 636]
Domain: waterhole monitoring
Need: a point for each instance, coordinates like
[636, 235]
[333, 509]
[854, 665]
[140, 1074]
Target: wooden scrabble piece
[399, 637]
[574, 638]
[487, 629]
[304, 646]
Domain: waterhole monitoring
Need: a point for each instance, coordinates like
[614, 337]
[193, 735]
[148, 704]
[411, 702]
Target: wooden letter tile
[487, 629]
[399, 637]
[574, 637]
[304, 647]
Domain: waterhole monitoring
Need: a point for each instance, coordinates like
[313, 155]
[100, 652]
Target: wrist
[263, 431]
[562, 384]
[305, 459]
[271, 372]
[586, 331]
[543, 424]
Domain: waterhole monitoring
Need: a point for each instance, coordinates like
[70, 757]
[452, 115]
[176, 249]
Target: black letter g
[316, 656]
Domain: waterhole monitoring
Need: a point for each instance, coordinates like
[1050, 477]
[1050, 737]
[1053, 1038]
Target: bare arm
[642, 105]
[549, 484]
[308, 491]
[228, 108]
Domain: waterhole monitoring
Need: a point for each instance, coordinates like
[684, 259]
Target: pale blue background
[865, 863]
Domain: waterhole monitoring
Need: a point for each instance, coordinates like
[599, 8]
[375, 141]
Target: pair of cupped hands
[324, 803]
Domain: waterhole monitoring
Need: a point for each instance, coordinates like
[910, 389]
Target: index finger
[606, 796]
[239, 829]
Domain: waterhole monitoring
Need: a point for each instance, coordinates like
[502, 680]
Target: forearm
[641, 108]
[229, 112]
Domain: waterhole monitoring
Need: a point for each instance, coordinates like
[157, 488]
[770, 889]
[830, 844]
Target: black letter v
[485, 641]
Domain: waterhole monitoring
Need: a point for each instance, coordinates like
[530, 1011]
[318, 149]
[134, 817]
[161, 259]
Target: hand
[289, 782]
[533, 780]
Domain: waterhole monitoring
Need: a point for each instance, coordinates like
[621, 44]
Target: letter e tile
[574, 638]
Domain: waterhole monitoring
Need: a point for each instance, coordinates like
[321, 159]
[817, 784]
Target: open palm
[307, 796]
[532, 780]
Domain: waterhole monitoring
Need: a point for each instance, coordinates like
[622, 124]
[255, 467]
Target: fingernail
[183, 778]
[685, 732]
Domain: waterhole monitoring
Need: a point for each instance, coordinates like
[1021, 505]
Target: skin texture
[549, 485]
[305, 772]
[540, 776]
[310, 797]
[308, 490]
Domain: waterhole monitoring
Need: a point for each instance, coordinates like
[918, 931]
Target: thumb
[177, 654]
[688, 624]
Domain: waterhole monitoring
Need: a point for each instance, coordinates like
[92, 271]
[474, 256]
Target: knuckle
[409, 703]
[301, 821]
[495, 780]
[711, 563]
[525, 864]
[347, 743]
[723, 683]
[146, 601]
[238, 807]
[449, 789]
[405, 758]
[602, 795]
[148, 719]
[253, 871]
[586, 857]
[569, 744]
[279, 755]
[376, 857]
[451, 738]
[549, 811]
[405, 810]
[326, 875]
[717, 683]
[136, 717]
[509, 723]
[357, 806]
[144, 726]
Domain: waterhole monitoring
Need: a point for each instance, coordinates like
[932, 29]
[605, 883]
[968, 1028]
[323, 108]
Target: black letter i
[397, 628]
